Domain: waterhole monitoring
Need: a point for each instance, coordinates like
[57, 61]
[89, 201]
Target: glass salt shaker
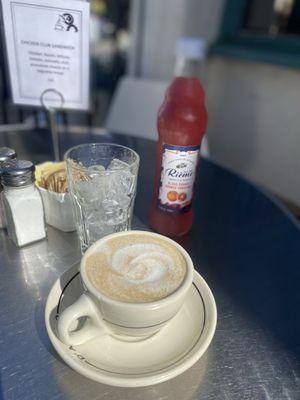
[6, 154]
[22, 203]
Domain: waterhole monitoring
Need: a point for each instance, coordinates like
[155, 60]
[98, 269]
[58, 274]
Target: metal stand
[47, 104]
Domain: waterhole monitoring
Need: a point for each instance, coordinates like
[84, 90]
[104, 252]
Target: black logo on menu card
[65, 22]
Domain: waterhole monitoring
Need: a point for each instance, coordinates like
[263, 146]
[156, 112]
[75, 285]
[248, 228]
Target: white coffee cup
[107, 316]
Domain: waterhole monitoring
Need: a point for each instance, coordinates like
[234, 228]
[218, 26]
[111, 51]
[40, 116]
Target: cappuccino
[136, 268]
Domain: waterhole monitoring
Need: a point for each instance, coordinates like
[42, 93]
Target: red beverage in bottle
[182, 120]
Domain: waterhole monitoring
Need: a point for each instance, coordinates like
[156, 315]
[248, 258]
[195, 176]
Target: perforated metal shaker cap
[6, 154]
[17, 173]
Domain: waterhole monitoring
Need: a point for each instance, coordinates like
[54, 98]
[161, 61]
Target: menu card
[47, 43]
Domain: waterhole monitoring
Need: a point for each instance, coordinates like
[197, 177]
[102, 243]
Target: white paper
[47, 44]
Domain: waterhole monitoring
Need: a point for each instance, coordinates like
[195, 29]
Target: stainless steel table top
[247, 249]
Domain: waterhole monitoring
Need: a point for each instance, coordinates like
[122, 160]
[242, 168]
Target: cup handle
[93, 326]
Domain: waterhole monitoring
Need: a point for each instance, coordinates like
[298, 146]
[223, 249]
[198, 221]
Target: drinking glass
[102, 180]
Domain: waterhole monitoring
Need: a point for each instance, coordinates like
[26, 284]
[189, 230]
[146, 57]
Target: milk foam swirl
[136, 268]
[141, 263]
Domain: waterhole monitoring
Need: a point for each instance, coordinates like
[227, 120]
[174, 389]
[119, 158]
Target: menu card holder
[51, 105]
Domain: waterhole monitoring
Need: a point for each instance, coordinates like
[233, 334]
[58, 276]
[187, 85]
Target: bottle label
[178, 173]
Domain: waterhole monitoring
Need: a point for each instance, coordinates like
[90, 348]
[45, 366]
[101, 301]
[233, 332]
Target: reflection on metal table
[244, 244]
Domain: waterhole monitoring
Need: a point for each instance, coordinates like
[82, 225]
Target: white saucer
[163, 356]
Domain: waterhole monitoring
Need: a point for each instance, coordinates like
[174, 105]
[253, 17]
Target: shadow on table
[251, 248]
[34, 145]
[1, 390]
[42, 331]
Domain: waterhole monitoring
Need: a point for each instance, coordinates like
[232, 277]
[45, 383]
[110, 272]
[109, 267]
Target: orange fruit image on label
[172, 195]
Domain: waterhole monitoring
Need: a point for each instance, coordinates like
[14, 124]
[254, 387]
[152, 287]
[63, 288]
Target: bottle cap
[7, 154]
[17, 173]
[191, 47]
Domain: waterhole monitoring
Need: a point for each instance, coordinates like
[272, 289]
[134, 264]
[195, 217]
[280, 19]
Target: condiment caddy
[51, 179]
